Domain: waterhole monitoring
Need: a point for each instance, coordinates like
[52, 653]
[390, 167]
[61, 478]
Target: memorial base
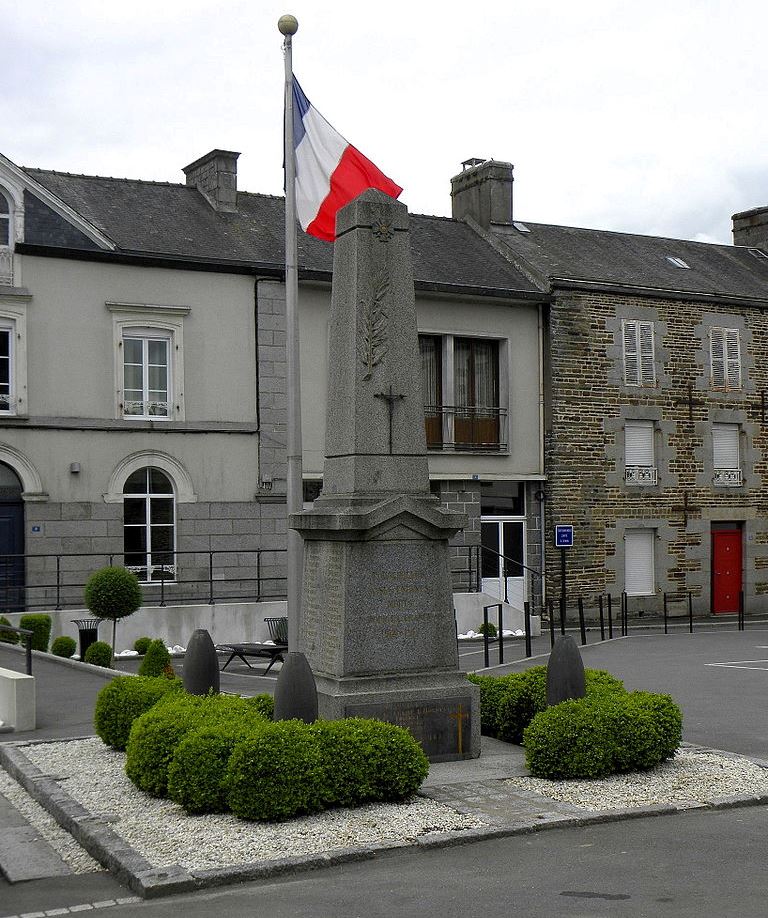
[442, 711]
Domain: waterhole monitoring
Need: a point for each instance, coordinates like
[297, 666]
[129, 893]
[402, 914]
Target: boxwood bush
[602, 734]
[99, 654]
[156, 659]
[63, 646]
[509, 703]
[124, 699]
[155, 735]
[7, 637]
[40, 625]
[141, 645]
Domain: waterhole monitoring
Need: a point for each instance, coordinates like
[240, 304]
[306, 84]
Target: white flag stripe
[317, 156]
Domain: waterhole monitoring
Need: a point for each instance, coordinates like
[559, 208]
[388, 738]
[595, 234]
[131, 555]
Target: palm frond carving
[372, 345]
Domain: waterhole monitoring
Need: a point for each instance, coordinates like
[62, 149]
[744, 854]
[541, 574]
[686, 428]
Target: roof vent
[520, 227]
[677, 262]
[757, 253]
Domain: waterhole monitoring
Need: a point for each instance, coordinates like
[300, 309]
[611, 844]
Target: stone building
[142, 385]
[656, 434]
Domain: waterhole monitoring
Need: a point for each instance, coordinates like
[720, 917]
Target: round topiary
[124, 699]
[99, 654]
[492, 629]
[113, 593]
[155, 735]
[40, 625]
[156, 659]
[7, 637]
[63, 646]
[276, 773]
[141, 645]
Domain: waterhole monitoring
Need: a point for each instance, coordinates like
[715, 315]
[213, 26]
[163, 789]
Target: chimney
[483, 191]
[215, 175]
[751, 228]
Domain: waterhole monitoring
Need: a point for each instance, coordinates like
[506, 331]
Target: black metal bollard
[527, 613]
[602, 617]
[582, 627]
[610, 618]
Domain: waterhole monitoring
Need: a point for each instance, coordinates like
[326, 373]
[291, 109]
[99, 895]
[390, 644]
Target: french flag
[329, 171]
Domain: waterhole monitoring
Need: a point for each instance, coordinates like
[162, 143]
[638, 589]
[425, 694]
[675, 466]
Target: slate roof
[160, 218]
[627, 259]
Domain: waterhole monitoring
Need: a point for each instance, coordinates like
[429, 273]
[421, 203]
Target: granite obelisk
[378, 627]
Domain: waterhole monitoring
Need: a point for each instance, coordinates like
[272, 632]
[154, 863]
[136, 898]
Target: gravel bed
[690, 778]
[165, 835]
[78, 860]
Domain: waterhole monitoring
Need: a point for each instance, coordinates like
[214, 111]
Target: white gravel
[94, 775]
[690, 778]
[78, 860]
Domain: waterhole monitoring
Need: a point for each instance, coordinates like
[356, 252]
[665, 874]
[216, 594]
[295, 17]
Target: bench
[272, 651]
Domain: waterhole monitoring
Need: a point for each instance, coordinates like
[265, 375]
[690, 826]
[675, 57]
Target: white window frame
[13, 317]
[6, 249]
[149, 409]
[640, 562]
[726, 455]
[640, 452]
[725, 358]
[140, 320]
[147, 525]
[638, 350]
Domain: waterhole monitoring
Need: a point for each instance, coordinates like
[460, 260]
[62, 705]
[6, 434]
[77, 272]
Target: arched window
[149, 525]
[6, 239]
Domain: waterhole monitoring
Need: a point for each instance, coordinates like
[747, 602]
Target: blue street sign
[564, 536]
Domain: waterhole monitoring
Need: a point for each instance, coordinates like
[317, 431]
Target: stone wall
[588, 404]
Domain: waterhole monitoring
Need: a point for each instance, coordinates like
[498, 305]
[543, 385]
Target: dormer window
[6, 237]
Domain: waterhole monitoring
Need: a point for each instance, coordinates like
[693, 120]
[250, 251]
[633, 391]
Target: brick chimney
[215, 175]
[750, 227]
[483, 191]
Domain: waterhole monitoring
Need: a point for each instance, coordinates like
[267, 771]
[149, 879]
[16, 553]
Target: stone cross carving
[390, 398]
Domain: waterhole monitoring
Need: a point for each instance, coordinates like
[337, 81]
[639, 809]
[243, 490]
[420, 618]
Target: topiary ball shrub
[155, 660]
[603, 734]
[276, 773]
[63, 646]
[141, 645]
[113, 592]
[40, 625]
[124, 699]
[156, 734]
[99, 654]
[197, 771]
[492, 629]
[7, 637]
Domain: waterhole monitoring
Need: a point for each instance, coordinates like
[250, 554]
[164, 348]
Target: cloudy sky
[644, 117]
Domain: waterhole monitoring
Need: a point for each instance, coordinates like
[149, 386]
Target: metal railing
[57, 581]
[640, 475]
[459, 427]
[509, 567]
[727, 478]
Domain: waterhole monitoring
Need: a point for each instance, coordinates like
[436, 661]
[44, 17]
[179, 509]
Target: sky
[642, 117]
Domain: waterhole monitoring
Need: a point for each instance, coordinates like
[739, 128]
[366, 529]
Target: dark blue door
[12, 556]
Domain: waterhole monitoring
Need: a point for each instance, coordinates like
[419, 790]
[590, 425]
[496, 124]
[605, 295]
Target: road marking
[72, 909]
[740, 664]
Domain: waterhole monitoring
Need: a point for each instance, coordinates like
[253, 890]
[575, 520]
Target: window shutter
[638, 562]
[631, 356]
[725, 446]
[638, 443]
[647, 368]
[717, 352]
[732, 358]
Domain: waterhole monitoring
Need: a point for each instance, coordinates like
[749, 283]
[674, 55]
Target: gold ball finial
[288, 25]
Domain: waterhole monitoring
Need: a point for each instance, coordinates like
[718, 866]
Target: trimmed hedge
[156, 734]
[40, 625]
[509, 703]
[63, 646]
[155, 660]
[141, 645]
[8, 637]
[99, 654]
[124, 699]
[113, 592]
[603, 734]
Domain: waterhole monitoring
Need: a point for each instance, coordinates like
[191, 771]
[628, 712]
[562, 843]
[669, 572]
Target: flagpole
[295, 692]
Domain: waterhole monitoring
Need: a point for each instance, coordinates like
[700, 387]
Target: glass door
[502, 559]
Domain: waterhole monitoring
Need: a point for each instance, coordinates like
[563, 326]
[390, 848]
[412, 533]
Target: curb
[129, 867]
[66, 661]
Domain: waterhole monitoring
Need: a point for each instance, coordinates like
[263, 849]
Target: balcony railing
[6, 267]
[140, 409]
[728, 478]
[641, 475]
[458, 427]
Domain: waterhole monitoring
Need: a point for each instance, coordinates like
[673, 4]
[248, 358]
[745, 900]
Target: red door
[726, 570]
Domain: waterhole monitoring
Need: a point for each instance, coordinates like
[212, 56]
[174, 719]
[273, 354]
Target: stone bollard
[565, 672]
[201, 665]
